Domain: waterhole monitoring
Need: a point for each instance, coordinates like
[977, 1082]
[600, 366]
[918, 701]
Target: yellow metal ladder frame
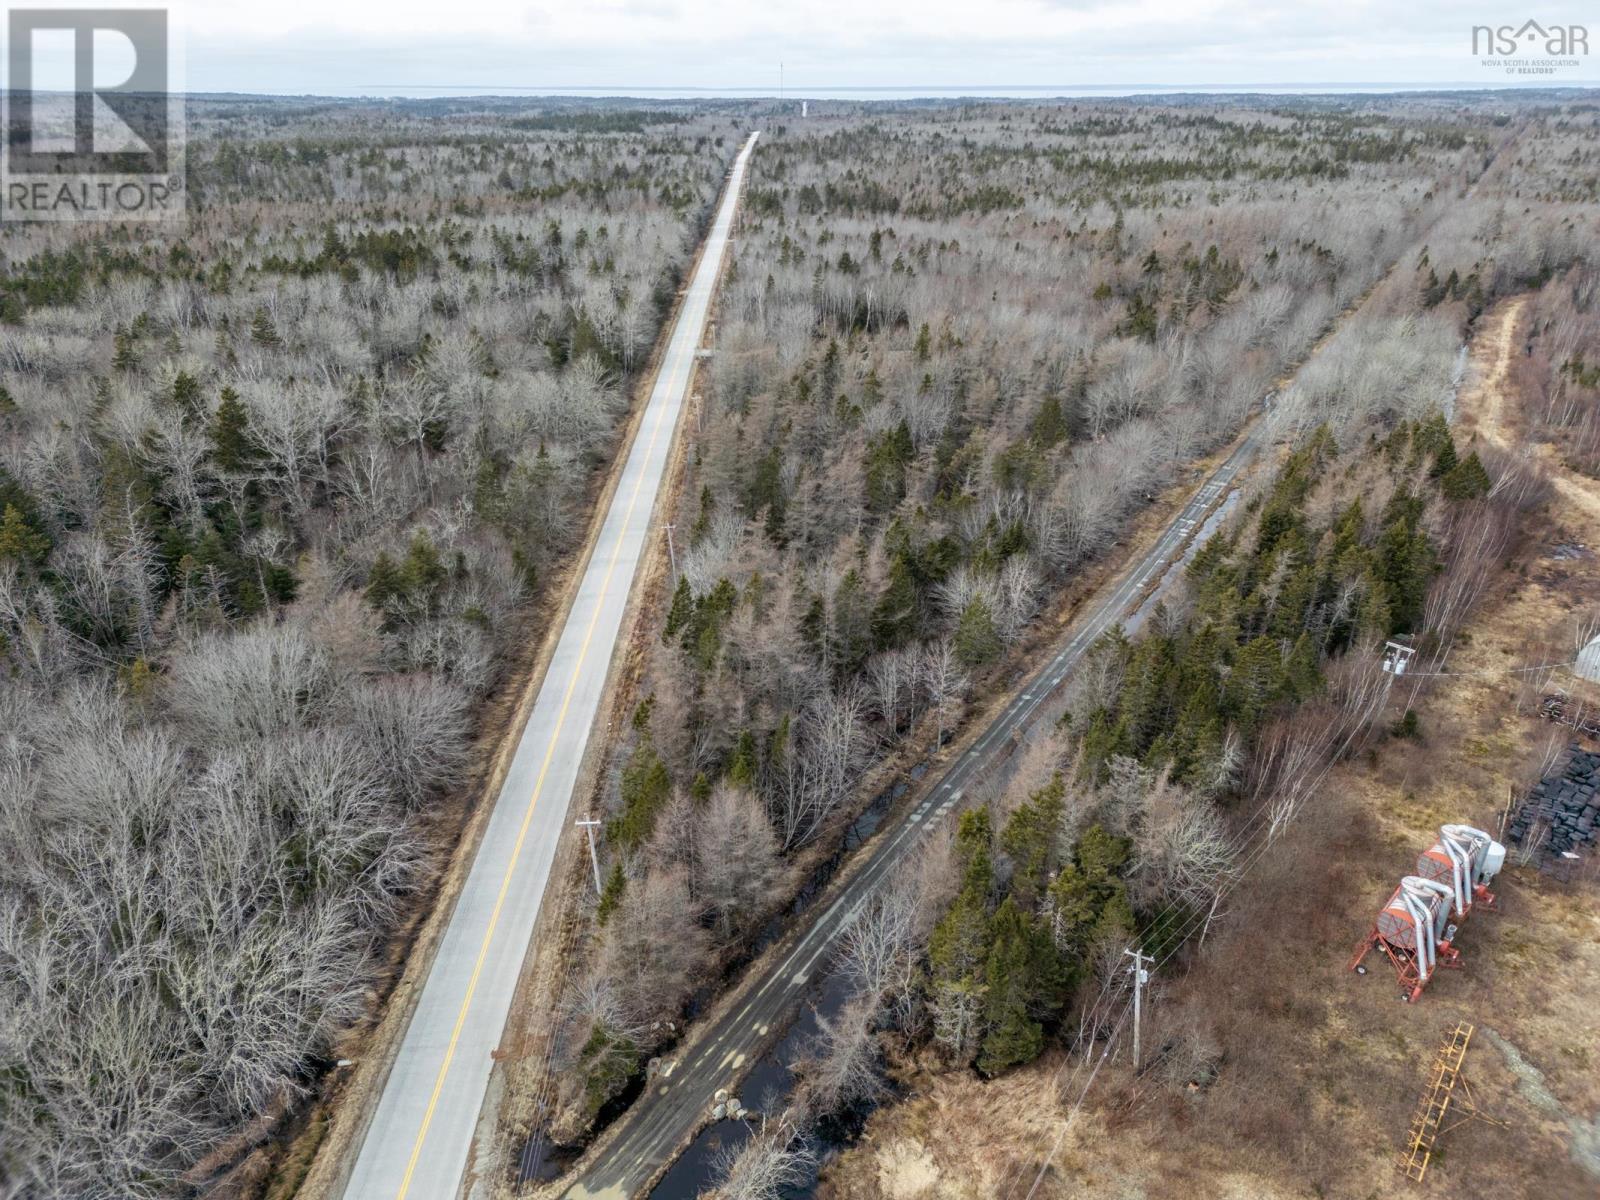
[1427, 1122]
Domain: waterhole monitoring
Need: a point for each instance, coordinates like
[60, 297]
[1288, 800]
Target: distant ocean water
[951, 92]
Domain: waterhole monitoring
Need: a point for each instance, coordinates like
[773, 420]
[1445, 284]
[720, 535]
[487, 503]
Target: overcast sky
[391, 46]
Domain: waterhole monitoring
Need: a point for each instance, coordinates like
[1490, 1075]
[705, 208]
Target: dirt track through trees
[1486, 402]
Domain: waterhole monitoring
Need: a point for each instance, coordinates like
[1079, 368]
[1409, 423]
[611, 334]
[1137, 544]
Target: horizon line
[754, 92]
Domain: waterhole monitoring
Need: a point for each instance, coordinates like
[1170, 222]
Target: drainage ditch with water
[770, 1079]
[767, 1083]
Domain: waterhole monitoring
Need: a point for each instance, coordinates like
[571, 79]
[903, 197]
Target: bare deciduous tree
[820, 766]
[944, 681]
[1181, 854]
[416, 728]
[840, 1068]
[775, 1159]
[256, 683]
[654, 947]
[736, 856]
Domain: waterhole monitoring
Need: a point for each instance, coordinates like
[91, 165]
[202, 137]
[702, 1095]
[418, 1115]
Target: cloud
[366, 46]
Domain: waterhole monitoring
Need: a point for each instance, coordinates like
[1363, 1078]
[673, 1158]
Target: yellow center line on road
[527, 820]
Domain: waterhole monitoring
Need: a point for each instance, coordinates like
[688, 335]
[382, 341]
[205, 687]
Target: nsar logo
[1530, 48]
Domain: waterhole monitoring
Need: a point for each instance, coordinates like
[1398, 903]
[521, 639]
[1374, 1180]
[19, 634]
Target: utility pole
[594, 857]
[1140, 978]
[672, 553]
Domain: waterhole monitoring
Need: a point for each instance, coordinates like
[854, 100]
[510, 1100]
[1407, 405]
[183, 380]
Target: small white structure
[1588, 664]
[1396, 657]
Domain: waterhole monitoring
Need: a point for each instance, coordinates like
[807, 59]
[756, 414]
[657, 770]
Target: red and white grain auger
[1414, 932]
[1415, 929]
[1467, 859]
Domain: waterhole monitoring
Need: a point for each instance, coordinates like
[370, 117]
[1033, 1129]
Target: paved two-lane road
[418, 1142]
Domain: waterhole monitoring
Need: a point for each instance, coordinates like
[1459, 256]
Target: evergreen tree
[262, 331]
[423, 573]
[125, 357]
[1302, 671]
[1089, 888]
[977, 641]
[887, 457]
[1467, 480]
[1432, 440]
[1432, 290]
[1014, 987]
[186, 397]
[1294, 601]
[232, 445]
[1405, 562]
[852, 625]
[645, 789]
[488, 491]
[742, 766]
[1374, 615]
[959, 944]
[702, 522]
[871, 389]
[1029, 840]
[766, 491]
[828, 372]
[19, 541]
[681, 610]
[1049, 423]
[384, 582]
[1141, 320]
[814, 625]
[895, 617]
[1147, 695]
[1106, 737]
[611, 894]
[1255, 682]
[702, 633]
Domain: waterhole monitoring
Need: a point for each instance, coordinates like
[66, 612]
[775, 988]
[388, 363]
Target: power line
[1254, 840]
[1568, 665]
[1078, 1104]
[1263, 835]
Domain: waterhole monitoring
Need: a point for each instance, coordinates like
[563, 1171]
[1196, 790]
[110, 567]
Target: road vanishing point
[419, 1140]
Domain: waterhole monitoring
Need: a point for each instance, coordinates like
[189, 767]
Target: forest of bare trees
[1560, 351]
[281, 489]
[958, 349]
[277, 489]
[1181, 751]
